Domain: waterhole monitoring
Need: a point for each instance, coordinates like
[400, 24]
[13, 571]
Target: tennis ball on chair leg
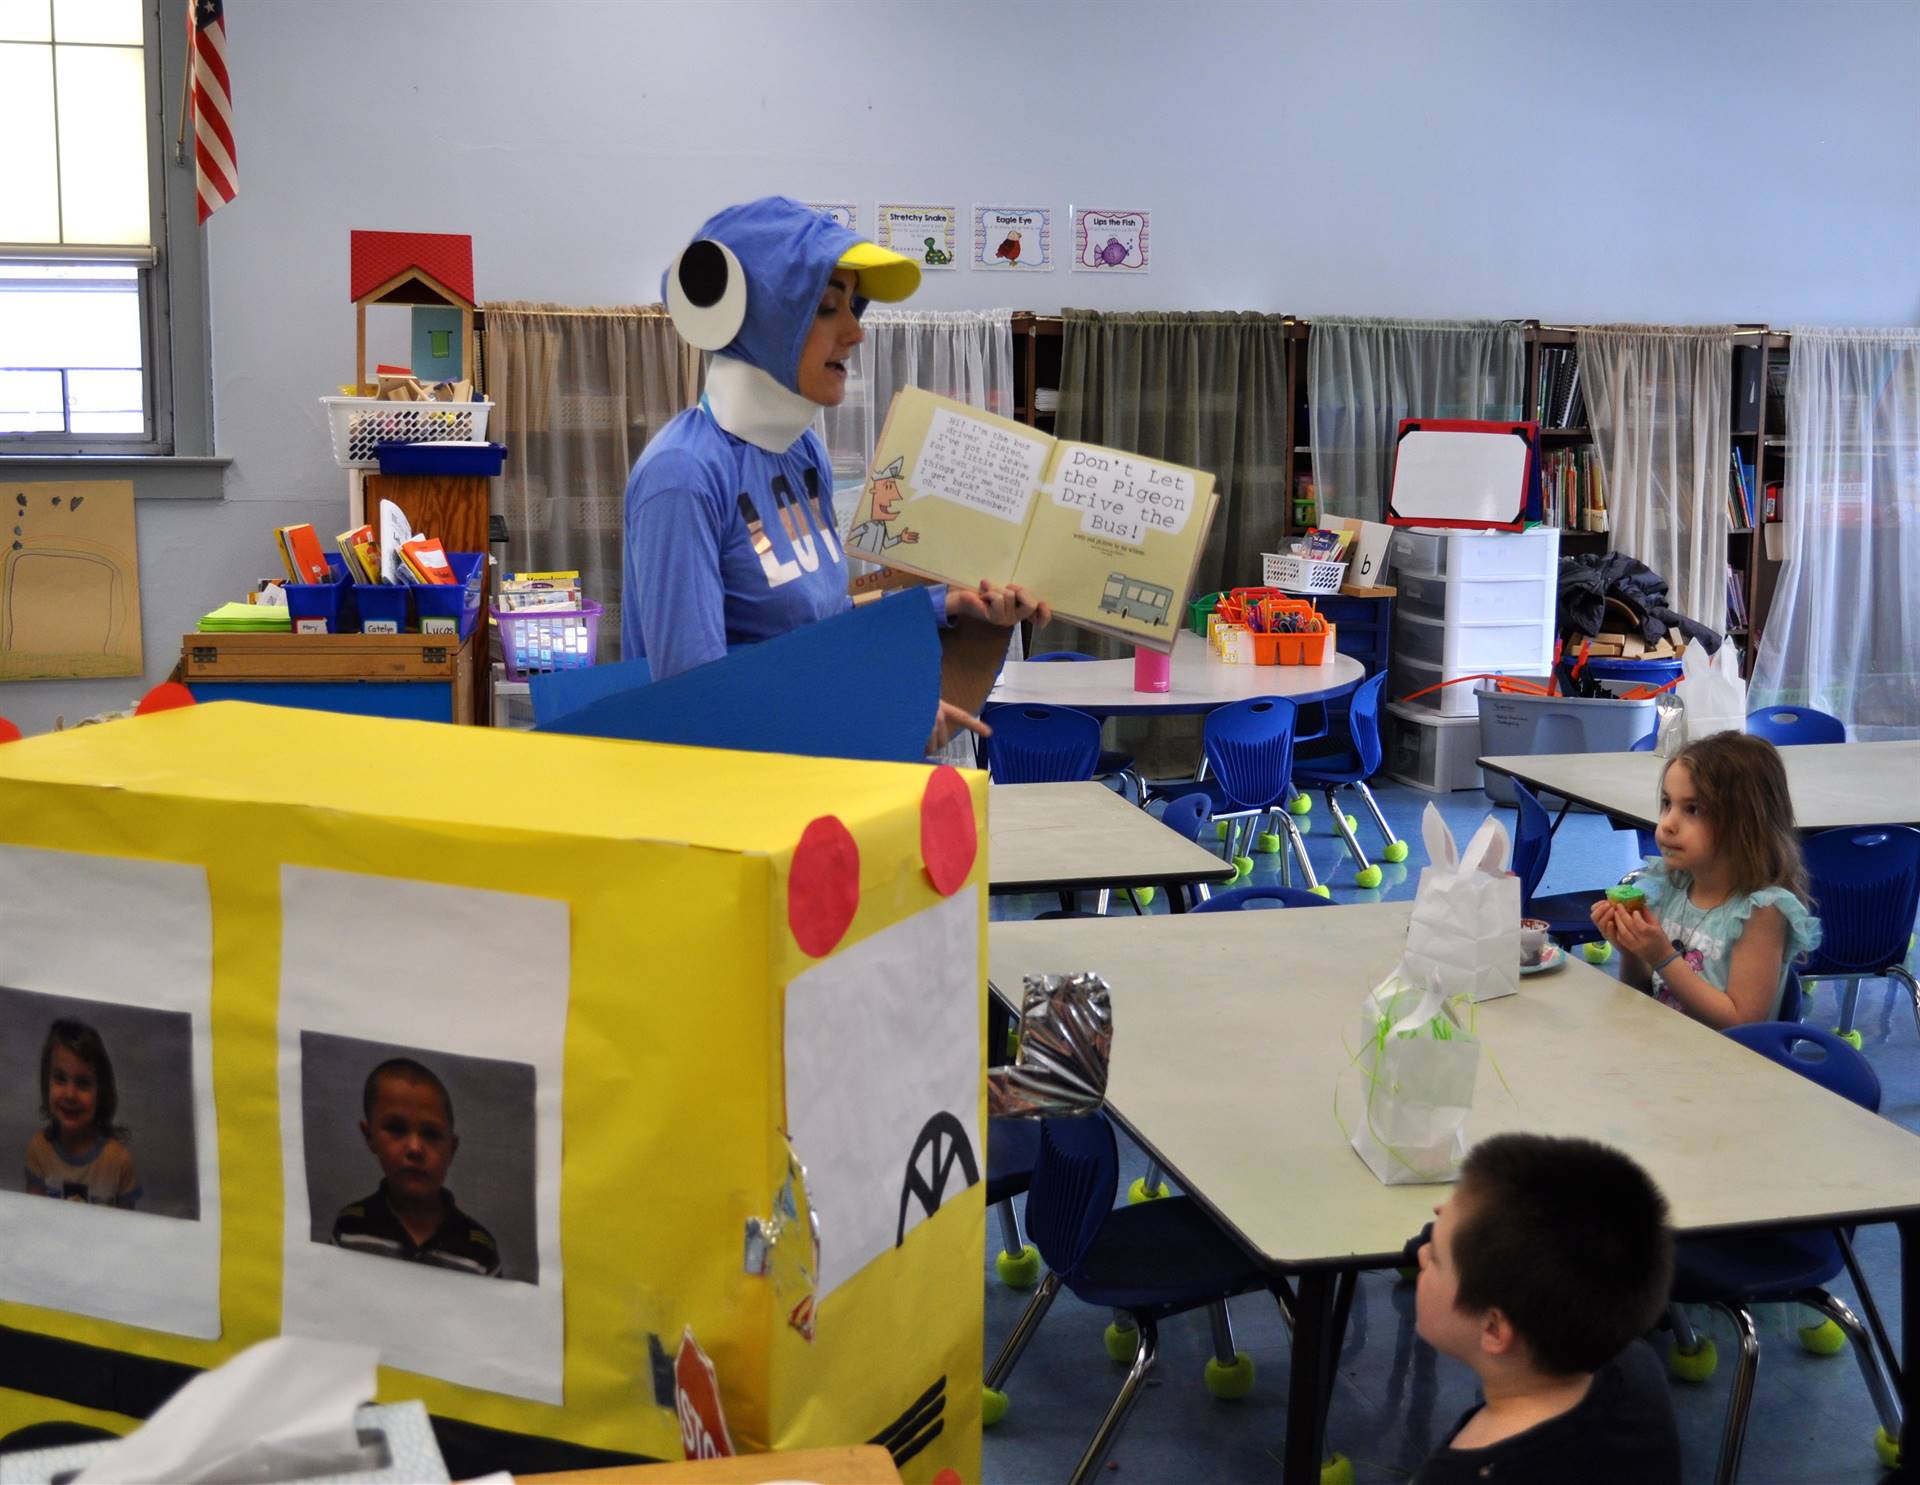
[993, 1406]
[1824, 1339]
[1300, 804]
[1220, 829]
[1370, 876]
[1137, 1192]
[1693, 1366]
[1018, 1270]
[1268, 842]
[1887, 1447]
[1230, 1381]
[1336, 1469]
[1122, 1345]
[1395, 852]
[1323, 890]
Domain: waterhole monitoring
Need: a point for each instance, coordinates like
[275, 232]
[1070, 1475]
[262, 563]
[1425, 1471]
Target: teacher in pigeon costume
[730, 535]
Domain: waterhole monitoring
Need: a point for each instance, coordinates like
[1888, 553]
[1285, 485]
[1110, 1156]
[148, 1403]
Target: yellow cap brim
[884, 275]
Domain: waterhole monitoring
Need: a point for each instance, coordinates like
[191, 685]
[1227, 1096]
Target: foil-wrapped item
[1066, 1039]
[785, 1247]
[1670, 721]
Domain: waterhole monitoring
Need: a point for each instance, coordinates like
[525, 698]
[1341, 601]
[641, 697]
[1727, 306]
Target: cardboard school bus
[699, 1035]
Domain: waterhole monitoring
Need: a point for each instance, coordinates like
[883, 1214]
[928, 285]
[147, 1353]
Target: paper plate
[1552, 959]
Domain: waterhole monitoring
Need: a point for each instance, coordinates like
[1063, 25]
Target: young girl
[81, 1155]
[1726, 906]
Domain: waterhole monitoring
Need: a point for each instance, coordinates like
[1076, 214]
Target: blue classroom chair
[1111, 762]
[1349, 766]
[1249, 751]
[1732, 1274]
[1150, 1262]
[1865, 885]
[1565, 913]
[1239, 898]
[1788, 726]
[1041, 744]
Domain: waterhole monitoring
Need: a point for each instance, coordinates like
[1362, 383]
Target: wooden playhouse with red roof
[432, 271]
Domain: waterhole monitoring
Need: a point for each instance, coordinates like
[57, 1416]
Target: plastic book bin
[542, 639]
[455, 604]
[483, 459]
[384, 607]
[330, 604]
[1513, 723]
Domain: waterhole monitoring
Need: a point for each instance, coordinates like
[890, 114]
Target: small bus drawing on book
[1131, 598]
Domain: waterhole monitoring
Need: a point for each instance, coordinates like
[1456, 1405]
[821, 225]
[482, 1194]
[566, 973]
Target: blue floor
[1811, 1420]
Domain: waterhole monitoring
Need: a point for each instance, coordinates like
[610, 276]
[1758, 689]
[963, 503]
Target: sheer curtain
[578, 393]
[1660, 400]
[1365, 375]
[963, 354]
[1843, 634]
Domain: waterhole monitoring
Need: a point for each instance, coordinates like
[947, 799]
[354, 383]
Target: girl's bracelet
[1656, 968]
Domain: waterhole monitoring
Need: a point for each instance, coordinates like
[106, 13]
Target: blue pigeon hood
[788, 251]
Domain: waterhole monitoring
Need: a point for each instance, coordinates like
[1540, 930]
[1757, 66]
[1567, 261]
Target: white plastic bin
[1428, 751]
[1476, 554]
[1462, 646]
[1513, 724]
[1408, 675]
[1529, 598]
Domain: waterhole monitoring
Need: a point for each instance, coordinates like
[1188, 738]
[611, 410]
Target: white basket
[1301, 574]
[361, 424]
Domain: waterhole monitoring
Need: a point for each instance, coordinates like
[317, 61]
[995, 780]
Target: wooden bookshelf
[1036, 366]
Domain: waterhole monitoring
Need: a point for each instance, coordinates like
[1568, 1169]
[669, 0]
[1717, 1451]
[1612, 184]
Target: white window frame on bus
[176, 343]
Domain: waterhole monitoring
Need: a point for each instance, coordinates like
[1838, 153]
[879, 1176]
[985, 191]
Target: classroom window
[82, 292]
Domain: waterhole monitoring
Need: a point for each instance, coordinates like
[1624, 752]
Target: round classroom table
[1200, 682]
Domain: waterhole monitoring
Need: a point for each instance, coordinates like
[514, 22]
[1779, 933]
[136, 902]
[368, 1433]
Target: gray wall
[492, 1173]
[152, 1056]
[1642, 160]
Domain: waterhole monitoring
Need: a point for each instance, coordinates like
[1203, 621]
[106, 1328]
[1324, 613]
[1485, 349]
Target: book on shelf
[528, 590]
[360, 550]
[1109, 539]
[426, 562]
[1573, 490]
[1736, 598]
[1559, 401]
[301, 552]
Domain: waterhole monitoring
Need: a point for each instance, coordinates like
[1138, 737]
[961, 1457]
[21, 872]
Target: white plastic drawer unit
[1463, 646]
[1476, 554]
[1481, 598]
[1439, 754]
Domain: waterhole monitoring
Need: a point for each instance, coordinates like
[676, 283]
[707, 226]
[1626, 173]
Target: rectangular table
[1231, 1032]
[1832, 784]
[1082, 837]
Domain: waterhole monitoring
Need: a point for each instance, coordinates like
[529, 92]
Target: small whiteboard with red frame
[1475, 476]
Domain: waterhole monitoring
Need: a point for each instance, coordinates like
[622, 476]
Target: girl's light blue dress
[1706, 939]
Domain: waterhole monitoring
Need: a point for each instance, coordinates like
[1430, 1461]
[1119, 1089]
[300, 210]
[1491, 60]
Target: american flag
[215, 160]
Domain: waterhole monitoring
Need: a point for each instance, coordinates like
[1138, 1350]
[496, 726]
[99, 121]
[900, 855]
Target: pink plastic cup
[1152, 671]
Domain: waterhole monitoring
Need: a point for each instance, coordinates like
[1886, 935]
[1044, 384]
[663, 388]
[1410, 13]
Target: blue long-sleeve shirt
[726, 545]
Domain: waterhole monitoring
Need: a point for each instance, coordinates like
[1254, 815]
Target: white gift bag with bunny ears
[1465, 929]
[1417, 1063]
[1713, 697]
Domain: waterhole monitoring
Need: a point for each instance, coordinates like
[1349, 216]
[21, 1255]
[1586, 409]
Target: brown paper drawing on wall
[69, 580]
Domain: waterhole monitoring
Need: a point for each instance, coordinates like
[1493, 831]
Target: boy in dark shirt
[1549, 1261]
[409, 1128]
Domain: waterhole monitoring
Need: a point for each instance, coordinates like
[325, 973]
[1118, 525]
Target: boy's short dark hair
[404, 1067]
[1569, 1239]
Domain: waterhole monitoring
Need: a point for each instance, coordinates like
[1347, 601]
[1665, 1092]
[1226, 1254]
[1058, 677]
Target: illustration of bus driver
[871, 535]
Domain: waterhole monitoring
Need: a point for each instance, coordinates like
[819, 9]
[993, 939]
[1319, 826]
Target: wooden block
[1348, 590]
[1632, 646]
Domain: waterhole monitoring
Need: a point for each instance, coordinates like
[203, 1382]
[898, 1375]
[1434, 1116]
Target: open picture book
[1109, 539]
